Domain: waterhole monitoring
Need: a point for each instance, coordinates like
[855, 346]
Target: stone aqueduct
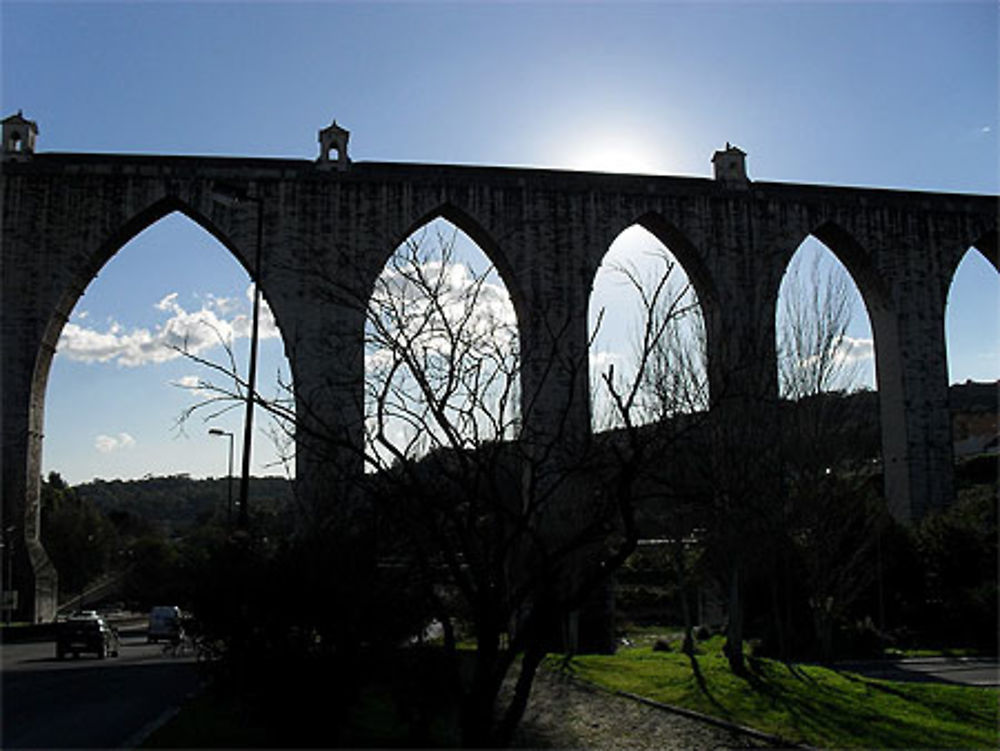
[66, 215]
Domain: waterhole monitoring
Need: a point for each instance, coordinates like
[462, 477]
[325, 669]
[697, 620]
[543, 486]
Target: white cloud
[107, 444]
[398, 299]
[192, 383]
[600, 361]
[855, 350]
[187, 382]
[193, 331]
[224, 305]
[168, 303]
[267, 328]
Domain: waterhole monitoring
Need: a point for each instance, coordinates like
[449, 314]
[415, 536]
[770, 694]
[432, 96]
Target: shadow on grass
[797, 672]
[703, 685]
[916, 693]
[826, 715]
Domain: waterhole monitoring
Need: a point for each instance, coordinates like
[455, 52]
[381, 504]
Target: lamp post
[9, 591]
[229, 196]
[229, 504]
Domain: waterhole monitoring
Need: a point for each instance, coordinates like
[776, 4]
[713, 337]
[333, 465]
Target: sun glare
[613, 158]
[612, 152]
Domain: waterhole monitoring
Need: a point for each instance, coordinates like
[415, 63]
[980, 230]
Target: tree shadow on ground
[703, 685]
[915, 694]
[823, 711]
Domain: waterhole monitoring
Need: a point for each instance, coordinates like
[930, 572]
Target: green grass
[209, 721]
[398, 700]
[802, 703]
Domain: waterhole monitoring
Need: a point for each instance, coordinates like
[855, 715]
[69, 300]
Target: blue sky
[899, 95]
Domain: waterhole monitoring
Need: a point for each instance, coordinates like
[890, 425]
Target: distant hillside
[973, 396]
[179, 501]
[974, 423]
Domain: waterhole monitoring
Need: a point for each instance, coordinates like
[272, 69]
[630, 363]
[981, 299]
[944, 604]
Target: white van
[164, 623]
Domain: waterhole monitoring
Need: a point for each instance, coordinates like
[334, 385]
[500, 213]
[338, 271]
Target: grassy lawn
[802, 703]
[210, 721]
[401, 702]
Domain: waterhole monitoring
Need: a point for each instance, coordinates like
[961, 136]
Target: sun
[620, 152]
[613, 157]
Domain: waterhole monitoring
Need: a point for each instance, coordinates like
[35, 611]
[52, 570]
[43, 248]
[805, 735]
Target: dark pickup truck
[86, 633]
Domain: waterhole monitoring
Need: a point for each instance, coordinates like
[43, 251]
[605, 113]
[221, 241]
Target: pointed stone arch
[483, 239]
[846, 254]
[92, 262]
[693, 262]
[972, 294]
[987, 245]
[687, 255]
[688, 279]
[88, 264]
[383, 321]
[124, 233]
[874, 292]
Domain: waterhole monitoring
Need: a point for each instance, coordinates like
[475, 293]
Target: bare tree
[661, 404]
[750, 494]
[490, 507]
[832, 513]
[812, 331]
[506, 532]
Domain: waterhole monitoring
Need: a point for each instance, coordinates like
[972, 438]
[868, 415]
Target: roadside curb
[140, 736]
[137, 738]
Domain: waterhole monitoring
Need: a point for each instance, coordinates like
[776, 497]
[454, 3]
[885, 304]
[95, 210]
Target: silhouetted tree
[506, 530]
[79, 539]
[833, 514]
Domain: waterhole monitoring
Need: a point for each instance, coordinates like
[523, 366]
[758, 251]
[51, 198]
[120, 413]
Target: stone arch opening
[163, 283]
[474, 232]
[972, 343]
[647, 304]
[831, 433]
[972, 328]
[822, 321]
[989, 247]
[442, 368]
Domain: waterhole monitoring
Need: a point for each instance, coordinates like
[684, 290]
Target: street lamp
[229, 196]
[9, 591]
[229, 505]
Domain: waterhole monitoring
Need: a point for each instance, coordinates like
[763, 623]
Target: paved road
[968, 671]
[87, 702]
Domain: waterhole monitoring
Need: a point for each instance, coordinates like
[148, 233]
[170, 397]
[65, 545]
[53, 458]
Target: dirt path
[565, 713]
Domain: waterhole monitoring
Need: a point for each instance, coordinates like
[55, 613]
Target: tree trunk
[779, 623]
[479, 704]
[522, 691]
[733, 648]
[822, 611]
[682, 583]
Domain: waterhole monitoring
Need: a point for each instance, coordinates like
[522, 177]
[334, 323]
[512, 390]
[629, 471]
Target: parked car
[165, 623]
[86, 632]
